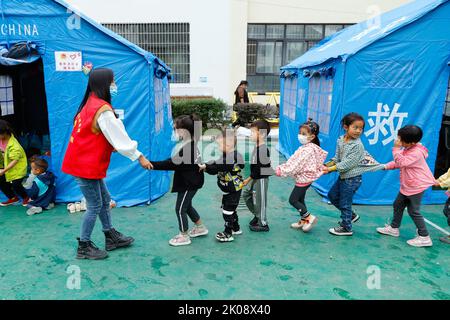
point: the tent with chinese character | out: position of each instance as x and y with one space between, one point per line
393 70
60 45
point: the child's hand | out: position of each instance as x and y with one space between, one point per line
201 167
325 170
397 143
2 172
246 181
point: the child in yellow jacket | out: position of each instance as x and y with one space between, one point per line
14 167
444 182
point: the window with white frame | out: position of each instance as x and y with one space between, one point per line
6 95
290 97
319 101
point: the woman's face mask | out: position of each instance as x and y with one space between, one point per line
113 90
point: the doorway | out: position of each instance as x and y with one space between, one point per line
443 153
23 104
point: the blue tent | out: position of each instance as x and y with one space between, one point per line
393 70
64 38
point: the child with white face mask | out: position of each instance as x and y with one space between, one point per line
305 166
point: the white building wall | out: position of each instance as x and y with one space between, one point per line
218 29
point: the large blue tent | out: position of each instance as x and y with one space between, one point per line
392 69
59 33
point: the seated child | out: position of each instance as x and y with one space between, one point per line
229 179
444 182
305 166
40 187
415 177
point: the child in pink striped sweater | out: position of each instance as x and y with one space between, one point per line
305 166
415 177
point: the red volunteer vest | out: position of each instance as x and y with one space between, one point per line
89 153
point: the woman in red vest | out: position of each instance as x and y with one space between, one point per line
97 132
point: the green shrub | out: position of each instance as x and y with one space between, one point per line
210 110
249 112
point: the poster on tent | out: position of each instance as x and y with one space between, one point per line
68 61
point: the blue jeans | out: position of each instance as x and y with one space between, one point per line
97 204
341 196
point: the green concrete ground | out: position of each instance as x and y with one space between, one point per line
281 264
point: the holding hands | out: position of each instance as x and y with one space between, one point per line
247 181
201 167
145 163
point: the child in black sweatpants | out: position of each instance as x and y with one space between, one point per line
187 179
229 179
260 170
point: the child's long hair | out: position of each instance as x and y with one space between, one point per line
191 123
351 117
99 82
5 128
313 128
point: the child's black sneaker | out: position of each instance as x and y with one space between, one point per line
259 228
88 250
340 231
224 237
253 222
355 217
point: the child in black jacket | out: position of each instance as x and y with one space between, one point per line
229 179
187 179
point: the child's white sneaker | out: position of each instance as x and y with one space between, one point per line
180 240
298 225
34 210
77 206
71 207
309 223
420 241
198 231
389 231
50 206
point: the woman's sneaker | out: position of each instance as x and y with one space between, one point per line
224 237
309 223
198 231
34 210
420 241
298 225
389 231
9 202
180 240
340 231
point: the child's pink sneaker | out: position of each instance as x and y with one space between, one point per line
420 241
180 240
389 231
198 231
